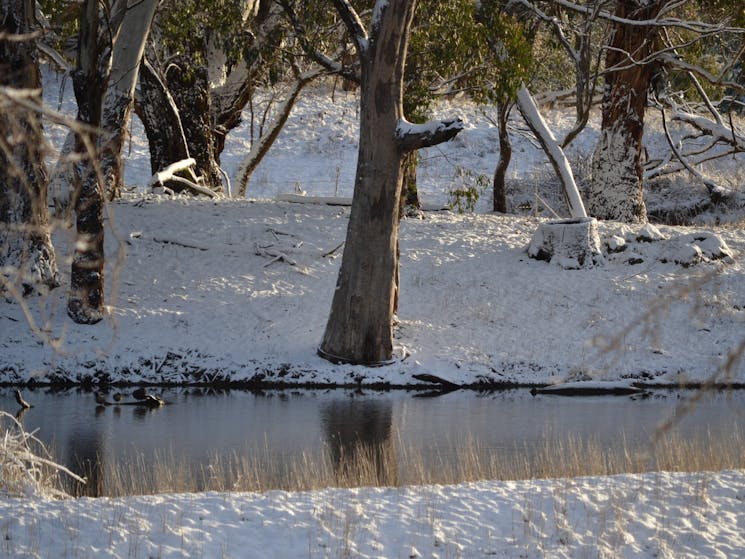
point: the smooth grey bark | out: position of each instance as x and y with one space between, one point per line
127 51
359 329
27 258
552 149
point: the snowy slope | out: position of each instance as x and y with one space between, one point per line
197 292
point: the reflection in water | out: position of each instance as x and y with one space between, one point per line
278 433
358 435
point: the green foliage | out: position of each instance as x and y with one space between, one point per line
64 19
469 188
185 24
481 51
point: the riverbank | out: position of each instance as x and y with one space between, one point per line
219 292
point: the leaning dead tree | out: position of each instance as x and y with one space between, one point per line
27 259
648 37
359 328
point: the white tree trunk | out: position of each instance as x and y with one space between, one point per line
551 147
129 46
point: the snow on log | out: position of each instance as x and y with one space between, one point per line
416 136
169 175
569 243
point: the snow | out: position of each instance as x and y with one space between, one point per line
195 293
649 515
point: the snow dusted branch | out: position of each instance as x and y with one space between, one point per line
719 132
169 175
353 22
551 147
659 21
716 192
416 136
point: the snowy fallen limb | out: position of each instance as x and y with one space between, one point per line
169 175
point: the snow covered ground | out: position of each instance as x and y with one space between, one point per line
196 294
652 515
197 291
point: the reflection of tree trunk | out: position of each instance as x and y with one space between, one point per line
25 243
358 434
616 191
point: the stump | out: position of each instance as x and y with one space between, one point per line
570 243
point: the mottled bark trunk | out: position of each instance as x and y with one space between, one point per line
499 203
359 329
27 259
85 303
188 83
616 191
160 117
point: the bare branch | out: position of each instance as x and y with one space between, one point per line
354 24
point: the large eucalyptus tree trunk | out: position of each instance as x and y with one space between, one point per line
160 117
359 328
110 48
202 101
27 259
616 191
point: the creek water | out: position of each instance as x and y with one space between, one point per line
199 424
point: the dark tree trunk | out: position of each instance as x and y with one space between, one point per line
616 191
410 192
85 304
188 83
499 203
359 329
160 117
25 243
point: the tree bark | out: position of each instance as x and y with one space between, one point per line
188 83
359 328
127 51
85 303
27 258
616 190
499 201
553 151
160 117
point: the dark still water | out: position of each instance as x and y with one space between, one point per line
279 430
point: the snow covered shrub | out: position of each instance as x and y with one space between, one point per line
25 466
